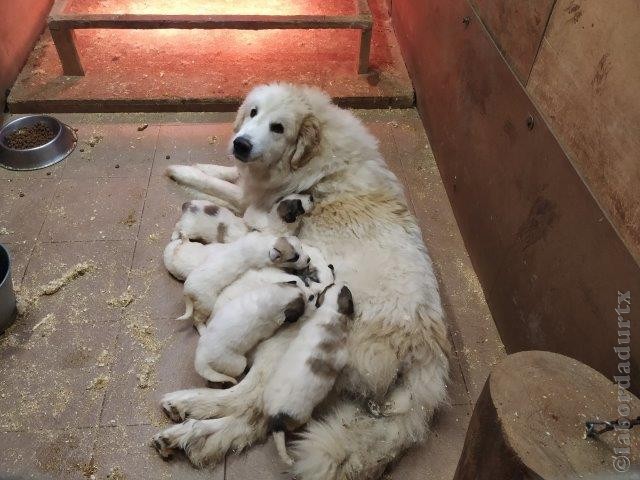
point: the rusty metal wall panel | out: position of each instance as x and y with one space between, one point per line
517 27
550 263
586 80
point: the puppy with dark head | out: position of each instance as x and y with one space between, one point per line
308 369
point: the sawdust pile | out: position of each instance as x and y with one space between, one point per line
116 474
26 298
122 301
98 383
55 285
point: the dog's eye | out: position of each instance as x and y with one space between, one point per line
253 112
276 128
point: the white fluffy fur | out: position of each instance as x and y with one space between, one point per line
182 256
199 225
241 324
308 369
204 221
398 341
226 262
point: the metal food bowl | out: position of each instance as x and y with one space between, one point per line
50 153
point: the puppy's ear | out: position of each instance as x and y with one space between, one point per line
345 302
240 116
275 254
308 141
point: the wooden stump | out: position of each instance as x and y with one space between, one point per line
529 422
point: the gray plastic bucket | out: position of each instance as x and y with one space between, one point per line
7 296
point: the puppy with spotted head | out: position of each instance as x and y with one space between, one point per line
203 221
308 369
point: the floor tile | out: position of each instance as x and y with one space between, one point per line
95 209
157 290
190 144
457 387
381 130
19 253
38 395
24 206
112 150
437 458
59 454
54 171
126 453
154 356
86 298
260 461
477 344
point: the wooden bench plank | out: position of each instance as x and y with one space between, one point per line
208 22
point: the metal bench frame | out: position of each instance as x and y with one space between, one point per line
63 25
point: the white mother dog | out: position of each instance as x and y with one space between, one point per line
292 139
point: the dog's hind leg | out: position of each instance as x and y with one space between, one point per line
240 407
229 174
205 403
195 178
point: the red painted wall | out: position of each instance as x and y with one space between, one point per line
21 22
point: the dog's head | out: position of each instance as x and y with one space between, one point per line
275 128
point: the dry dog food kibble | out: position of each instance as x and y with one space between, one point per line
29 137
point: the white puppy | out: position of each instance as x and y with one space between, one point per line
241 324
182 256
205 222
227 261
308 369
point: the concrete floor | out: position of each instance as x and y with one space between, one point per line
82 371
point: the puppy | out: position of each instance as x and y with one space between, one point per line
182 256
308 369
241 324
226 262
205 222
283 218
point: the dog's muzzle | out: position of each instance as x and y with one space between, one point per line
242 149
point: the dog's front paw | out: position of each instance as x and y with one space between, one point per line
175 406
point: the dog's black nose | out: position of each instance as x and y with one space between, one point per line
242 148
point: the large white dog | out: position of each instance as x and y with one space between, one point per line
291 139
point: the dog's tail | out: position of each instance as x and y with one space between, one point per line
204 370
188 312
278 438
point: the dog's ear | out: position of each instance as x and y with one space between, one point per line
240 116
308 141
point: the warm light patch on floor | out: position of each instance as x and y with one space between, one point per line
218 7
